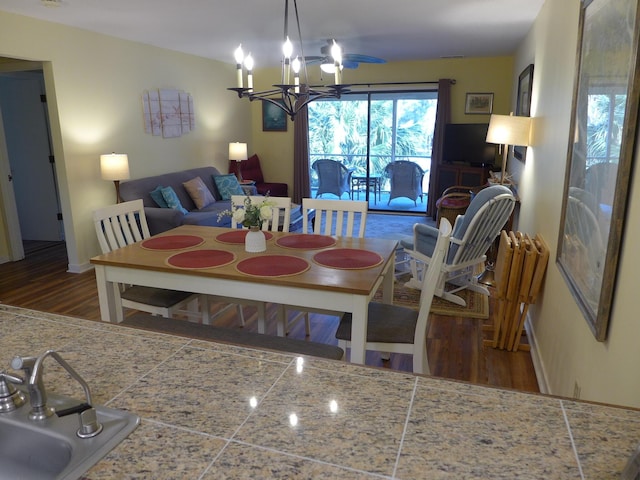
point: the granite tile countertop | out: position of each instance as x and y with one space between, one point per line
214 411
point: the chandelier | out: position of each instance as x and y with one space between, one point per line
290 97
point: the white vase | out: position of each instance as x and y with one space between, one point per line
255 240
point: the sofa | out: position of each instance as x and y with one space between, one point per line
161 219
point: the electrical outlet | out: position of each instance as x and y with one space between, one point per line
576 390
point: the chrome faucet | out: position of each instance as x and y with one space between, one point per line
33 368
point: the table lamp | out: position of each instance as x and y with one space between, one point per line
508 130
238 152
115 166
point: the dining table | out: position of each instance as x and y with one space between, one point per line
305 270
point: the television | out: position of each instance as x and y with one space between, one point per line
466 143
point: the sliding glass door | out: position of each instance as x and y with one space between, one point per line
367 131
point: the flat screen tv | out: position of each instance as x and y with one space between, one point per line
466 143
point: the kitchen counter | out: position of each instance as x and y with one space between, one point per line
215 411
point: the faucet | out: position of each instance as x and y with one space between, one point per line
33 369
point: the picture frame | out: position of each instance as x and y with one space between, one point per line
274 118
479 104
523 104
605 106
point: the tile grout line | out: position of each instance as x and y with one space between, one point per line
573 443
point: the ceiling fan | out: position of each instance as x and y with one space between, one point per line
349 60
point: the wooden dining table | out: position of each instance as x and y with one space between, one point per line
306 270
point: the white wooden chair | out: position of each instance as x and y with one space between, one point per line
340 218
396 329
280 220
123 224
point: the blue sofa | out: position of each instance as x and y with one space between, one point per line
163 219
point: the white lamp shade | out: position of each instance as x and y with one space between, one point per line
509 130
114 166
237 151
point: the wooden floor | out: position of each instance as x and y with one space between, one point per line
455 344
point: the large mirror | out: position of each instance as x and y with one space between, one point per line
600 154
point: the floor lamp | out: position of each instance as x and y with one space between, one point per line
238 152
505 130
115 166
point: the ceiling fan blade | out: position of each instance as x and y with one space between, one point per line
313 59
349 63
356 57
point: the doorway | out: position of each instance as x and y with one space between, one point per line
30 163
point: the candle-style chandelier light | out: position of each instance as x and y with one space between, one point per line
290 97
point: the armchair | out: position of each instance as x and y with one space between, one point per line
406 180
251 170
333 177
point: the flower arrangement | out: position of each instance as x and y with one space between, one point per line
251 214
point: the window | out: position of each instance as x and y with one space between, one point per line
366 131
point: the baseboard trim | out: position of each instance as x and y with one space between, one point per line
79 268
538 364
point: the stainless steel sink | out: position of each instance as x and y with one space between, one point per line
51 448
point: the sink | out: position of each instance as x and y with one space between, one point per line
50 449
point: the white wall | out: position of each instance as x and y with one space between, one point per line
96 83
568 351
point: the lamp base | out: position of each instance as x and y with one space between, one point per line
488 277
239 171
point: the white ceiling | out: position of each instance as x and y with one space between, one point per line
393 30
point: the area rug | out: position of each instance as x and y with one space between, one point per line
477 304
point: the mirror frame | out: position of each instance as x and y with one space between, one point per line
596 306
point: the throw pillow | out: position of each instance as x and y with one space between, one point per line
199 192
228 185
157 197
172 199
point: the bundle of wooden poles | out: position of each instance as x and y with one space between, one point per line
519 271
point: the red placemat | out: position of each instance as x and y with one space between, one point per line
306 241
198 259
172 242
237 236
347 258
272 266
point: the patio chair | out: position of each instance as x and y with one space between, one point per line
396 329
406 180
473 234
340 218
333 177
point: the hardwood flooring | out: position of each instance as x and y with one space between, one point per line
455 344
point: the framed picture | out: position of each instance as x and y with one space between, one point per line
600 156
274 119
523 106
479 104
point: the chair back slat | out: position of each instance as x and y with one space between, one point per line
281 211
429 285
482 229
340 218
120 225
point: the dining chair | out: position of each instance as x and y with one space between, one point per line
472 236
281 217
123 224
280 221
396 329
340 218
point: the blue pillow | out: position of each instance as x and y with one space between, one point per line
228 185
157 197
172 199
